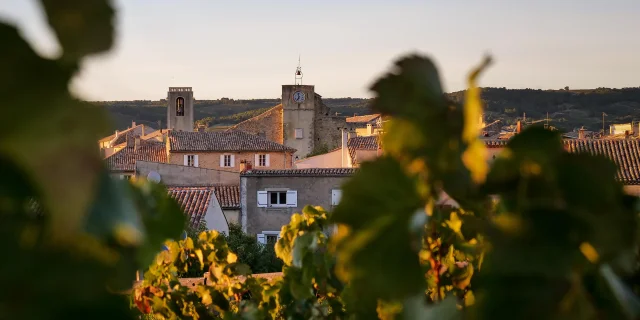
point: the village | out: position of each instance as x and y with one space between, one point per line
259 172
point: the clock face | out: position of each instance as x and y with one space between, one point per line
298 96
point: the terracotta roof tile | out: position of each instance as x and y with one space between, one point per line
193 201
125 158
624 153
182 141
354 144
228 196
310 172
363 119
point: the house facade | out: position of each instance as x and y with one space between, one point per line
122 163
200 204
268 198
226 150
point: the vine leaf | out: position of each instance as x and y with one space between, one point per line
475 154
48 133
83 27
378 204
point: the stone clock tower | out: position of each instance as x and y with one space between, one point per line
180 109
298 116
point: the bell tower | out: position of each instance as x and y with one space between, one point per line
180 109
298 115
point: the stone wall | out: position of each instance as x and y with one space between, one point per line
312 190
328 127
179 175
267 124
211 160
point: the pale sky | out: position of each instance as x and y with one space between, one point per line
248 49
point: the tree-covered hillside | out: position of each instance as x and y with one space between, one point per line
567 109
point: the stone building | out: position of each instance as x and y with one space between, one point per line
268 198
122 163
302 122
180 109
226 150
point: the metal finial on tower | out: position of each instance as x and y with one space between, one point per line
298 77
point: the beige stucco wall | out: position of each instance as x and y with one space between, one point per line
179 175
211 160
331 159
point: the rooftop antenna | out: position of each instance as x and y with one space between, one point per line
298 77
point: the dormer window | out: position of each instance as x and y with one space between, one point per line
180 107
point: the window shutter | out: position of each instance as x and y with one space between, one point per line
262 239
336 194
292 198
262 199
186 159
195 161
256 160
221 160
266 161
233 160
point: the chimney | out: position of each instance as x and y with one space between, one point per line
130 140
117 133
581 133
245 166
626 134
133 124
518 127
369 129
136 143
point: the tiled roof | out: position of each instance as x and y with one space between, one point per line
182 141
362 143
228 196
624 153
125 158
193 201
363 119
310 172
121 136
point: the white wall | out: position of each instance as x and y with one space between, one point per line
215 218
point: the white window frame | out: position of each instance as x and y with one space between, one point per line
191 160
274 205
263 198
227 164
262 160
336 196
262 237
298 133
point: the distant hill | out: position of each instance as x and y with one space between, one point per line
214 113
568 109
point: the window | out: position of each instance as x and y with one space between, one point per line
271 238
191 160
277 199
268 237
180 106
336 194
227 160
298 134
262 160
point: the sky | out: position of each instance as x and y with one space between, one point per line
247 49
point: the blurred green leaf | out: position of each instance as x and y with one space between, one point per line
83 27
